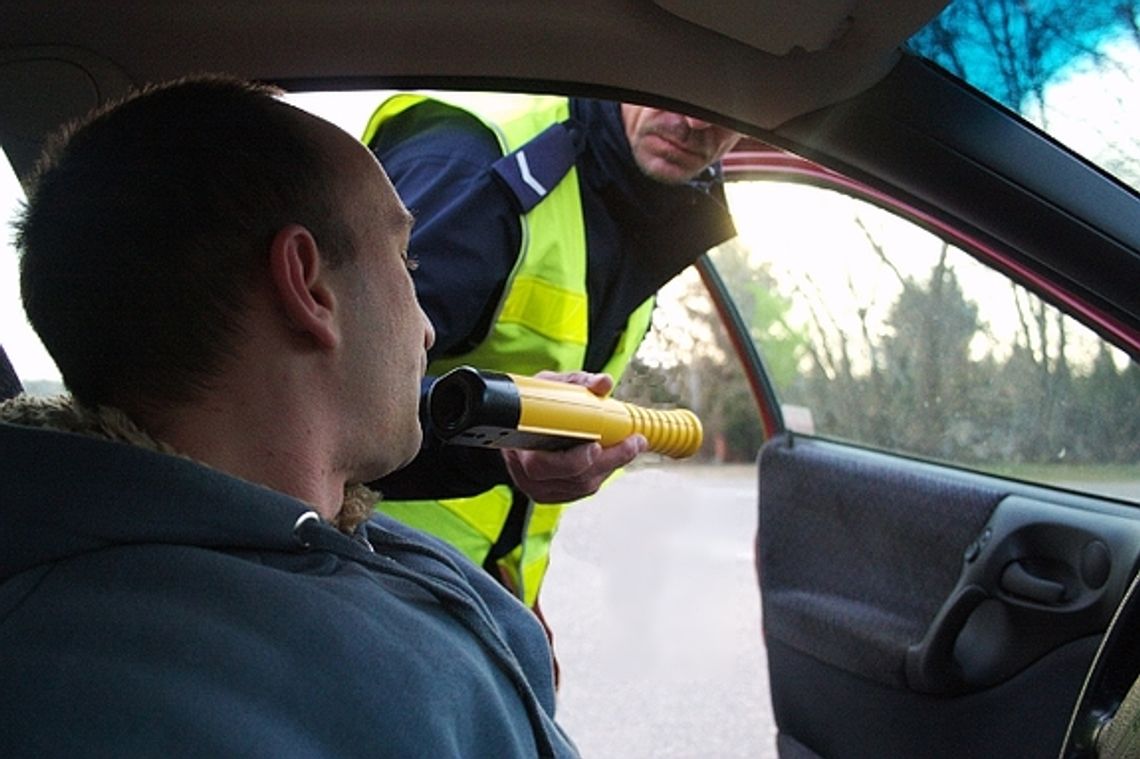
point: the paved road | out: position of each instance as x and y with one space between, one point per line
659 636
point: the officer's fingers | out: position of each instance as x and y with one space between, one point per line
558 465
574 378
553 476
618 455
598 384
604 462
543 475
580 462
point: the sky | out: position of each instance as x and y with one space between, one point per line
24 349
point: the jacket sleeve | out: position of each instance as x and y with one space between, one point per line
467 236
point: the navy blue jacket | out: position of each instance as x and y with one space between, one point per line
640 233
150 606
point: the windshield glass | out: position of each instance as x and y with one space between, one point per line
1070 68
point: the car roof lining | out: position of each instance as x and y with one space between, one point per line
79 53
835 105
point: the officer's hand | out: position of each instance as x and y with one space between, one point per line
561 476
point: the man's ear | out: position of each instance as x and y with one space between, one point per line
300 282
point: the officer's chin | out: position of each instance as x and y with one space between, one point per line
670 172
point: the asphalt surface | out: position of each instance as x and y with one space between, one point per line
653 600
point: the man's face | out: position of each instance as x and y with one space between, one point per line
387 334
670 147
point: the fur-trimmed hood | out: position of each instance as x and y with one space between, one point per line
62 413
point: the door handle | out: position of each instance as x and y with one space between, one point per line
1037 576
930 665
1017 580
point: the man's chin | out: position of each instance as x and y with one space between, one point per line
392 460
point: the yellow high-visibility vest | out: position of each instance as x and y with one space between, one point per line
542 322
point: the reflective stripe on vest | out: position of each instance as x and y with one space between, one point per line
542 322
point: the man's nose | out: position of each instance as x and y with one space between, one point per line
429 331
695 123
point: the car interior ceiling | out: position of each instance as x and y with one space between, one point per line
836 89
54 66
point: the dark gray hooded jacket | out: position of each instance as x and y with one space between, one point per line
151 606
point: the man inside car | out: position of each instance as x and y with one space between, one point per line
185 565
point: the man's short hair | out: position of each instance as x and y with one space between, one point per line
147 222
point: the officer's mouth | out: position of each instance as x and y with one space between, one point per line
680 146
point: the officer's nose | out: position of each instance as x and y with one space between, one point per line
695 123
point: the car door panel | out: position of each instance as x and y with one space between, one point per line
823 711
908 608
1039 574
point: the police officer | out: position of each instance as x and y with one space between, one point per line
544 228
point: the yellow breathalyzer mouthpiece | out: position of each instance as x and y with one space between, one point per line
489 409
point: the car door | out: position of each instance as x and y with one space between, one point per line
948 486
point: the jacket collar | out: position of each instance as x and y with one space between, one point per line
112 484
